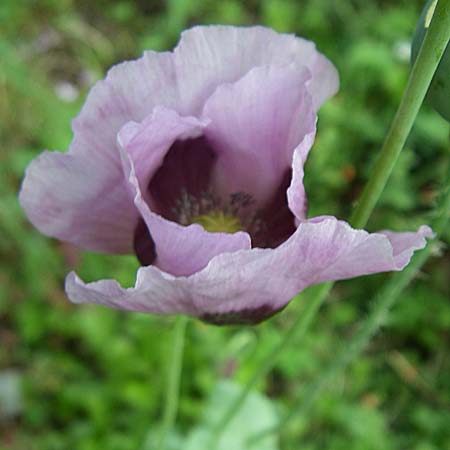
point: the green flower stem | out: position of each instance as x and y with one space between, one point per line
430 54
426 63
173 384
382 304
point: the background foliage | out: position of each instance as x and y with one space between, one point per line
90 378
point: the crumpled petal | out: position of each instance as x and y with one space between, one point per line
403 242
180 250
256 123
212 55
155 291
241 286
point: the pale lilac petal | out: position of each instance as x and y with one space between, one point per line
180 250
323 250
66 197
361 253
208 56
155 292
256 123
82 196
324 82
296 194
130 92
237 285
403 242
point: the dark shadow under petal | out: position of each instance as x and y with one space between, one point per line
276 223
249 316
143 244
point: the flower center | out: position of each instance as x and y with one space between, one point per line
214 213
218 221
182 191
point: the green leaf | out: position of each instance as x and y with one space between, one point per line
257 414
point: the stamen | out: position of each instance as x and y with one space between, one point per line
216 214
267 228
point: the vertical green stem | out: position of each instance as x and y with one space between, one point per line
174 376
433 47
426 64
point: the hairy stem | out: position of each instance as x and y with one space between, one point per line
430 54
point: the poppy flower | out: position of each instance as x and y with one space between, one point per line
193 160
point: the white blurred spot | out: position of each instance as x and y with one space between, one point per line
402 50
11 402
66 91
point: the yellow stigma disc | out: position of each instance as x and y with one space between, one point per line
218 222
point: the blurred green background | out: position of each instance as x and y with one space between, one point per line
89 378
